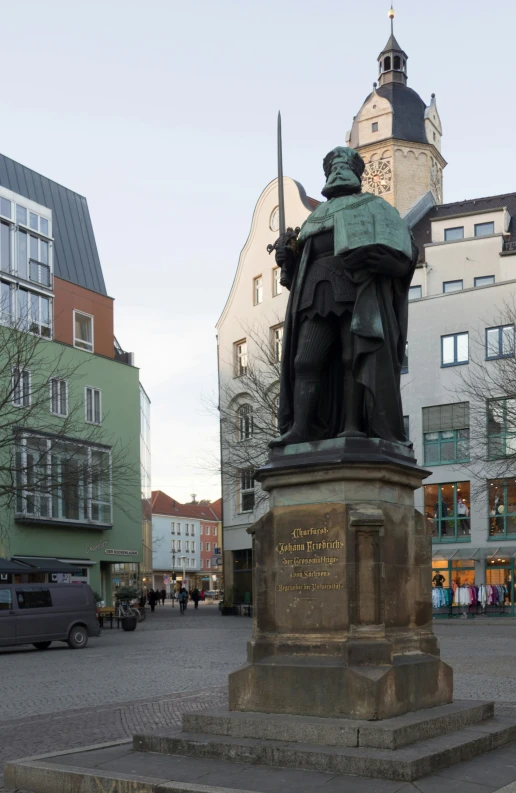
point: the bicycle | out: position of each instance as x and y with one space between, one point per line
126 610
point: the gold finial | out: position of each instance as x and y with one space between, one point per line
391 16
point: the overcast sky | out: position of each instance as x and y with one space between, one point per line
163 115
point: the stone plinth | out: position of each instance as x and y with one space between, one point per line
342 588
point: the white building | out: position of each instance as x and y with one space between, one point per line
466 272
175 543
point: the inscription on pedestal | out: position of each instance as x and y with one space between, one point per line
309 559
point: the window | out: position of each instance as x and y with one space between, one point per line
241 358
173 546
406 427
258 290
83 331
5 208
244 422
93 403
6 602
277 343
415 292
58 397
214 531
452 234
200 529
179 528
452 286
448 506
5 302
404 366
275 412
172 527
455 349
5 247
397 62
387 63
208 562
501 427
374 126
20 386
446 433
33 598
187 529
485 280
246 490
502 508
192 530
33 312
277 288
500 342
192 544
187 545
178 545
62 480
483 229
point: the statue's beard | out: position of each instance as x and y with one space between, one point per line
341 185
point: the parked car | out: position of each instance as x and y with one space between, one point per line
40 614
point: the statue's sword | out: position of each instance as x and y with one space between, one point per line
287 236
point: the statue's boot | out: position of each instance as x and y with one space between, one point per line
306 394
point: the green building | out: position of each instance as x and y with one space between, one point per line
72 489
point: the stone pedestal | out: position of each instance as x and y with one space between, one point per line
342 588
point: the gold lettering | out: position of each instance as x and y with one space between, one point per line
297 533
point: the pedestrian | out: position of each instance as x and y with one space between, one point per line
203 595
163 596
183 599
196 597
152 599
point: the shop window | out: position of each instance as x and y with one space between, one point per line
446 433
484 229
502 508
501 427
415 292
499 342
448 506
455 349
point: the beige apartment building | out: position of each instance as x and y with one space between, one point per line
465 276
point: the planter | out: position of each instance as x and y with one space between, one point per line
129 623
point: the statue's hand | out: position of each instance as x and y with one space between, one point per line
284 256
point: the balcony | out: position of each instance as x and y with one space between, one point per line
122 356
509 247
39 273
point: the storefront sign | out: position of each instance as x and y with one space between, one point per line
99 547
118 552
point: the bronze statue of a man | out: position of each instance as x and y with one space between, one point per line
346 324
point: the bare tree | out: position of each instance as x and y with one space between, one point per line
248 406
51 460
488 383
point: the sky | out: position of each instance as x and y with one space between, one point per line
163 114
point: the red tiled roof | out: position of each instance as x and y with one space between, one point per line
162 504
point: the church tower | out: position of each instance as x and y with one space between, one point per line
398 135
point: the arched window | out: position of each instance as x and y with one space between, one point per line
387 63
397 62
244 422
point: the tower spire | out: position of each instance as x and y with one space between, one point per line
392 14
392 60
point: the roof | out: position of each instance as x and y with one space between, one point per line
76 258
392 44
422 230
163 504
408 121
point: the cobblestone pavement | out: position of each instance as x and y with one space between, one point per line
125 682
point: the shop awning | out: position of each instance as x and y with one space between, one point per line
45 564
8 566
476 554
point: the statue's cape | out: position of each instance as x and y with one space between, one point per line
358 220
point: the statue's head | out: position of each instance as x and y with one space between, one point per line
343 168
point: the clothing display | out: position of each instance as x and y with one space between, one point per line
467 595
492 594
441 597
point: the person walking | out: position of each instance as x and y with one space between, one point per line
152 599
183 598
163 596
196 596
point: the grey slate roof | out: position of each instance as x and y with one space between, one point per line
392 44
422 230
76 258
408 122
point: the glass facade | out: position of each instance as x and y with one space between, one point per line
502 508
448 506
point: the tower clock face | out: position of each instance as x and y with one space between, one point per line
435 182
377 177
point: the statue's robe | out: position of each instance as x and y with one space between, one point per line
379 320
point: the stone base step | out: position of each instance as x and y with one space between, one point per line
387 734
405 764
